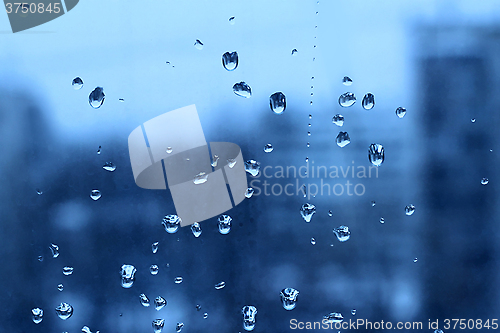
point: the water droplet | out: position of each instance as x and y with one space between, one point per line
99 151
373 203
308 133
40 258
77 83
60 287
68 270
200 178
215 159
400 112
330 213
268 148
178 279
484 181
121 100
220 285
410 209
128 275
346 81
198 44
473 120
95 194
64 311
334 317
368 101
224 224
294 51
353 312
242 89
249 313
160 303
153 269
313 241
96 98
231 162
196 229
382 220
230 60
169 150
347 99
154 247
277 102
376 154
158 325
342 233
304 189
338 120
55 250
343 139
108 166
415 260
252 167
249 192
205 315
308 145
38 191
144 300
307 211
307 159
179 327
438 331
37 315
231 20
86 329
171 223
289 298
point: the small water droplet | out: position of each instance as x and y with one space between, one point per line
144 300
77 83
330 213
158 325
289 298
60 287
196 229
55 250
252 167
382 220
438 331
198 44
249 192
294 51
121 100
86 329
224 224
169 150
205 315
40 258
313 241
230 60
38 191
99 151
108 166
415 260
64 311
410 209
308 145
307 159
368 101
153 269
178 280
37 315
400 112
308 133
304 189
268 148
249 313
376 154
154 247
160 303
373 203
338 120
67 270
334 317
242 89
231 162
346 81
127 275
220 285
95 194
343 139
473 120
198 307
307 211
179 327
484 181
347 99
343 234
353 312
277 102
200 178
96 97
231 20
171 223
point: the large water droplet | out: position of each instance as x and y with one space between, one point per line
127 275
144 300
67 270
160 303
249 313
224 224
252 167
376 154
338 120
347 81
198 44
154 247
179 327
196 229
171 223
37 315
60 287
96 98
64 311
95 194
342 233
230 60
410 209
178 280
55 250
108 166
289 298
277 102
77 83
334 317
268 148
242 89
153 269
343 139
485 181
249 192
200 178
368 101
347 99
220 285
307 211
158 325
400 112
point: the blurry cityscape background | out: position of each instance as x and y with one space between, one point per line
438 59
